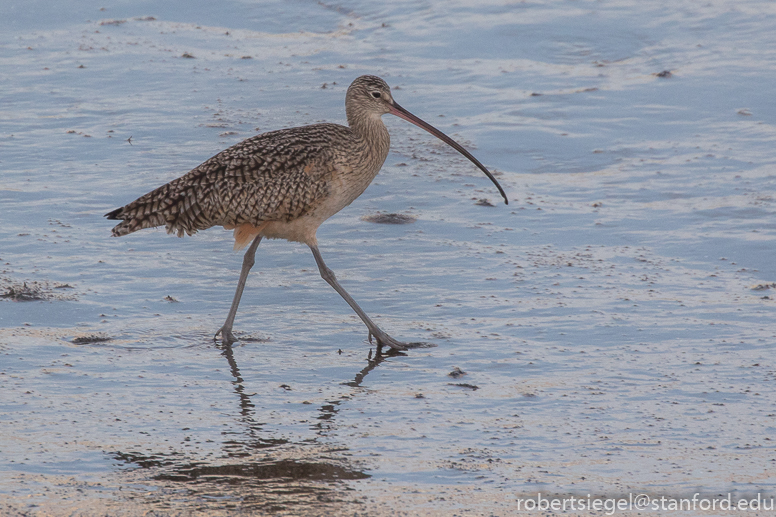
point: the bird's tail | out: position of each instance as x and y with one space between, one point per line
123 228
165 206
132 221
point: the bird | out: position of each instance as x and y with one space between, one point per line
283 185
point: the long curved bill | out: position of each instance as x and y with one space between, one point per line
409 117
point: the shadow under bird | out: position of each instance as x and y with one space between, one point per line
283 185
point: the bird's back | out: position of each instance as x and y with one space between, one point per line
275 176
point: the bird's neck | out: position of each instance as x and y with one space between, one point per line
372 132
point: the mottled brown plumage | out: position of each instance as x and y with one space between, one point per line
282 184
267 177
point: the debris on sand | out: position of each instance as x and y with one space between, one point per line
91 338
457 372
464 385
381 218
24 293
33 291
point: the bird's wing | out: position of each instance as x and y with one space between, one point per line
275 176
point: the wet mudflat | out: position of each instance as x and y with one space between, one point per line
610 331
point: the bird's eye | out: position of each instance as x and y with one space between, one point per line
376 95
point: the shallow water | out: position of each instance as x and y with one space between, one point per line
614 321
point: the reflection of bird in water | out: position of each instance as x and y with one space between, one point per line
237 447
260 470
372 363
283 185
242 447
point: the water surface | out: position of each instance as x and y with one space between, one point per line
614 321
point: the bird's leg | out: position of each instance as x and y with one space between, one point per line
248 260
328 275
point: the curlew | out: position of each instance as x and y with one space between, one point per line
283 185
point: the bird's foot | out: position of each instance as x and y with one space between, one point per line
226 336
384 339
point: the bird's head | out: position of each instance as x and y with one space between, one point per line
370 97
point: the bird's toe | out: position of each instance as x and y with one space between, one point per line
226 336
